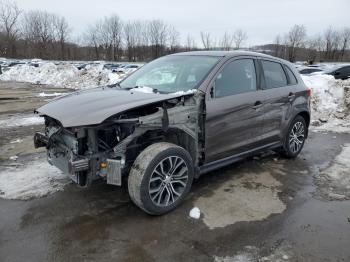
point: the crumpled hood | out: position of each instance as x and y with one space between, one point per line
93 106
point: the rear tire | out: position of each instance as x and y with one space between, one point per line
160 178
295 138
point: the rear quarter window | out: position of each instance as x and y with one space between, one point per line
274 74
291 76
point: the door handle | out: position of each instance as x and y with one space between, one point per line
291 96
257 105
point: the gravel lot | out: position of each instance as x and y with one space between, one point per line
265 208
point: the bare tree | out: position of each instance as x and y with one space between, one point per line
62 31
336 47
158 36
239 37
9 17
130 38
277 46
92 38
174 39
207 41
113 25
106 37
314 46
330 38
39 31
226 41
295 39
190 43
345 39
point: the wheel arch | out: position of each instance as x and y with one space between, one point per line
172 135
307 118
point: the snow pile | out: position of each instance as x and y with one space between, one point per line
195 213
330 103
21 120
43 94
35 179
62 75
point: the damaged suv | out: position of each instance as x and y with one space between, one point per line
174 119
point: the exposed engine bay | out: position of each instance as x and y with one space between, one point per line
108 150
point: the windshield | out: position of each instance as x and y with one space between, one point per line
172 73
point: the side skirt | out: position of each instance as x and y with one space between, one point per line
234 158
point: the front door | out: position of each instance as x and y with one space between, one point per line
234 116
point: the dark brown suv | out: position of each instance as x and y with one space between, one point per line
175 118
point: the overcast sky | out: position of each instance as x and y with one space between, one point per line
261 19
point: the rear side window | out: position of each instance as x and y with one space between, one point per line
291 76
345 71
237 77
274 74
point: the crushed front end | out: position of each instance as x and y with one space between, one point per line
108 150
85 153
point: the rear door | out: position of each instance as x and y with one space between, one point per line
234 117
279 93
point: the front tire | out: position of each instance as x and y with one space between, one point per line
295 137
160 178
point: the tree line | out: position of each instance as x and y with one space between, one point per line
40 34
331 45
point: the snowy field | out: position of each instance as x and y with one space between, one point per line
64 75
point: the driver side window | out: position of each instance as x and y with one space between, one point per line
237 77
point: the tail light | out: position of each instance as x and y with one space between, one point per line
308 92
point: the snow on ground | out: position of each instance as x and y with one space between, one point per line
334 182
21 120
330 103
35 179
62 75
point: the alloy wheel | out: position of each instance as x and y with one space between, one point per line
296 137
168 181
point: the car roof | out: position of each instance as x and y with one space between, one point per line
340 66
224 54
310 68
